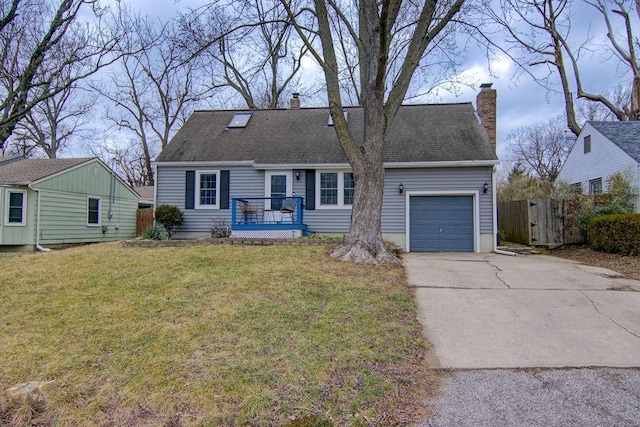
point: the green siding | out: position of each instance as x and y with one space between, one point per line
63 218
17 234
63 209
82 180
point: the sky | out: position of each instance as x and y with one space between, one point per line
521 100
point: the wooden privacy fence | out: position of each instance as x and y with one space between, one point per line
539 222
144 220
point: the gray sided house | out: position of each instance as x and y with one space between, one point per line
62 201
282 173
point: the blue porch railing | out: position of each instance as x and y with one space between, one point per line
267 213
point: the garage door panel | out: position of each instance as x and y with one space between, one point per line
441 223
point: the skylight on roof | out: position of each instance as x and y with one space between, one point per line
240 120
346 117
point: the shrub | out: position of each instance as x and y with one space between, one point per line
618 200
169 217
220 228
502 236
616 234
154 233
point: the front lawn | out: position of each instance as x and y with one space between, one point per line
209 335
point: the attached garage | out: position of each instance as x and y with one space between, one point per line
441 223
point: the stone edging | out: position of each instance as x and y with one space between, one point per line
139 243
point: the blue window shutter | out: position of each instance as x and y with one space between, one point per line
224 189
310 190
190 190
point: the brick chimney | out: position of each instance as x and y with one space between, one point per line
294 102
486 106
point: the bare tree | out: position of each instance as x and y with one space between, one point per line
152 91
249 48
541 29
127 160
390 39
51 124
41 41
541 148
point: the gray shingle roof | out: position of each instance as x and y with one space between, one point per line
27 171
145 192
420 133
625 135
7 159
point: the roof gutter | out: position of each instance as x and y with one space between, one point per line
210 163
387 165
38 247
280 166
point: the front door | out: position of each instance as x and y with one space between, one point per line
277 184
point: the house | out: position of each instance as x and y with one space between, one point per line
282 173
601 150
47 202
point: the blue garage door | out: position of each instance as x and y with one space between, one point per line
441 224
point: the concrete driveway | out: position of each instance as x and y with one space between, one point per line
496 311
528 340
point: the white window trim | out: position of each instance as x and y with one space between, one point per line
340 204
99 211
267 185
24 209
197 195
593 181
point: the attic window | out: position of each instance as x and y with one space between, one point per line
346 117
239 120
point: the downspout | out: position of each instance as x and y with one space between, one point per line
494 197
112 188
38 247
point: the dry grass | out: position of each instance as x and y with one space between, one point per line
209 335
627 265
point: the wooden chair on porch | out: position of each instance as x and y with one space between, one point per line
287 209
249 212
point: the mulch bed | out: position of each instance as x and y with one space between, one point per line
629 266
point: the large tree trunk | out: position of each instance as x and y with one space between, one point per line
365 243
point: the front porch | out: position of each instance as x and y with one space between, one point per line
267 217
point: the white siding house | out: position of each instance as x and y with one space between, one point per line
601 150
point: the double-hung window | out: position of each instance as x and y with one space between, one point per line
207 189
16 207
335 189
93 211
595 186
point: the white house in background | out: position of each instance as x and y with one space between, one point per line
601 150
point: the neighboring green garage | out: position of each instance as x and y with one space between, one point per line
441 224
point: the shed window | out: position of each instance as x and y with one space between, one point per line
587 144
16 208
93 211
595 186
207 189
